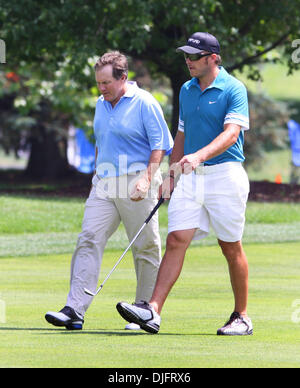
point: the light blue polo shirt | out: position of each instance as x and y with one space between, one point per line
128 133
202 114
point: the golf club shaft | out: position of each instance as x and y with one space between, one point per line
161 200
120 259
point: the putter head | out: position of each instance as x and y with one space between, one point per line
88 292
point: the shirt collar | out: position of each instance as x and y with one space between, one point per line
220 80
132 88
131 91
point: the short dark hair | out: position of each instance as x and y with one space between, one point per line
117 60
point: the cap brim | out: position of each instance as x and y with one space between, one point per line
189 50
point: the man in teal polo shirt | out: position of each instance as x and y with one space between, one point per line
213 187
132 138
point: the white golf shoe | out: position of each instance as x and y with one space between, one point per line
237 325
141 314
132 326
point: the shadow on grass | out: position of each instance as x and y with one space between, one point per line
45 331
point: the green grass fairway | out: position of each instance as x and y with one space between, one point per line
37 238
36 225
274 163
199 303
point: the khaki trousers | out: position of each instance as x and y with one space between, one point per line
102 216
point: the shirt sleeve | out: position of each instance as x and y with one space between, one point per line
238 111
156 127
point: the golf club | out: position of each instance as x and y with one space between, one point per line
161 201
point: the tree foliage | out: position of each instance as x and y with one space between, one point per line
43 38
268 130
36 112
45 32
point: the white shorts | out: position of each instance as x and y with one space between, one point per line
212 195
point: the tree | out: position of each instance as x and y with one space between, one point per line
36 112
150 30
268 120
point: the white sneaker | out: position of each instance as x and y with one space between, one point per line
142 314
132 326
237 325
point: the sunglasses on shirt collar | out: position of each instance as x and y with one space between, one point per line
195 57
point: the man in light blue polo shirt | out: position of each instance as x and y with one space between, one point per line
213 187
133 130
132 138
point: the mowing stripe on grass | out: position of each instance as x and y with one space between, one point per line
58 243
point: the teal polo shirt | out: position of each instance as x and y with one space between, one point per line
203 114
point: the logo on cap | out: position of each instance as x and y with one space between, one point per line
194 41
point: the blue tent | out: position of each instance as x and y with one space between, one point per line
86 152
294 134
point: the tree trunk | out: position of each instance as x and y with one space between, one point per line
48 155
177 80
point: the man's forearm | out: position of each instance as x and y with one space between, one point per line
155 160
177 153
221 143
169 182
143 184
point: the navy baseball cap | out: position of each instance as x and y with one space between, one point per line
199 42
